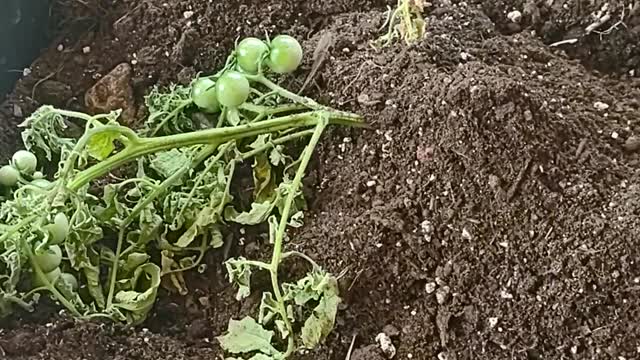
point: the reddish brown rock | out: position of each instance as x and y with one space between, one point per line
114 91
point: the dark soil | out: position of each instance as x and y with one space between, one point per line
490 213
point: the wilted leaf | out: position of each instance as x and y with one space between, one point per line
268 308
258 214
276 156
263 180
321 322
246 336
240 275
137 303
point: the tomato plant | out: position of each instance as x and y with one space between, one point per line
89 246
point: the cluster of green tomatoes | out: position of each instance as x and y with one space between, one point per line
23 166
283 55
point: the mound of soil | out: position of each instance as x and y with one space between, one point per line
490 212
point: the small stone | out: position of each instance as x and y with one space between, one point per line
387 347
427 230
632 144
600 106
86 49
443 356
365 100
371 183
442 294
515 16
17 111
26 71
424 154
466 234
506 295
615 135
430 287
60 47
114 91
187 14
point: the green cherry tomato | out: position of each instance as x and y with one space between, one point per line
203 94
59 229
68 280
9 176
49 259
25 161
232 89
52 276
285 55
249 53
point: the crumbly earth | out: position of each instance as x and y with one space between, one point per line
490 212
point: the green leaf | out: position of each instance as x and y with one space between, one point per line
277 157
134 260
162 103
240 275
167 163
246 336
258 214
260 141
137 303
101 145
321 322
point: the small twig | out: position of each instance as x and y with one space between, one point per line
33 90
596 24
319 57
614 26
516 184
564 42
355 78
353 341
353 282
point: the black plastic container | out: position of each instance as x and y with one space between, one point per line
23 33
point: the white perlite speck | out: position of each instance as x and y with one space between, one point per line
515 16
493 321
599 105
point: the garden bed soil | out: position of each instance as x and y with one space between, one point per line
491 211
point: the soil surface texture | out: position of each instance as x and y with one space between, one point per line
490 212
